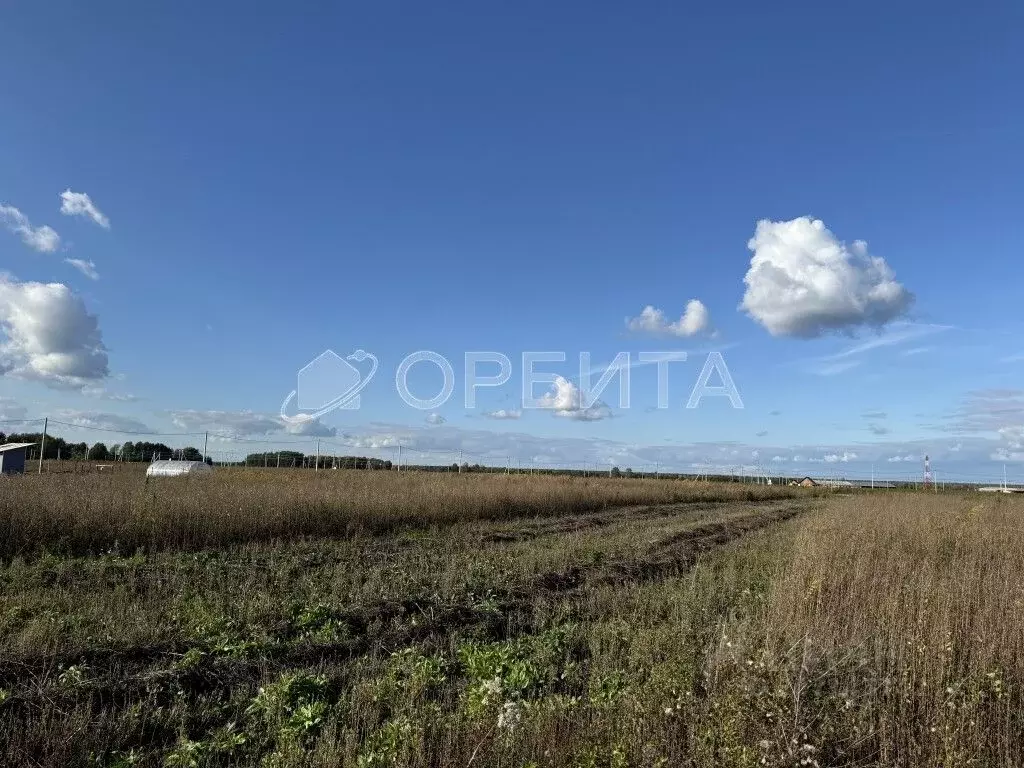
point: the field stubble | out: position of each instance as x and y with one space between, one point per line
707 630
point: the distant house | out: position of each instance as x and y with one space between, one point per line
875 484
12 458
807 482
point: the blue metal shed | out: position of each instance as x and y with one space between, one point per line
12 458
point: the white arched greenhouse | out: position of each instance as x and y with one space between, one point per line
173 468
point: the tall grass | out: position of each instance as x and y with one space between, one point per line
901 618
89 513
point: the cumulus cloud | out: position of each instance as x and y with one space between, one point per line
80 204
87 268
49 335
898 458
804 282
503 414
565 400
694 320
43 239
242 424
435 419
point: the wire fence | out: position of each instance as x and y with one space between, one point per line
56 447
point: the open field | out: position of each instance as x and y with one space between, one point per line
92 513
444 620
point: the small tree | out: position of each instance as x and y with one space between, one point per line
98 452
616 472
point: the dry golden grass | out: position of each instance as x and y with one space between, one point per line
907 610
92 513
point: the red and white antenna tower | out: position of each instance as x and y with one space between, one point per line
927 472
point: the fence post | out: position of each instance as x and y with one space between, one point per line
42 447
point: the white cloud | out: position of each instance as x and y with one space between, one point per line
804 282
845 456
1004 455
897 333
565 400
908 457
49 335
43 239
503 414
102 393
98 420
80 204
778 459
309 428
87 268
596 412
242 424
694 320
435 419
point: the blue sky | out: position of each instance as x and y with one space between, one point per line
397 177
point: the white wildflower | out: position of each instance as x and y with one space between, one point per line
509 716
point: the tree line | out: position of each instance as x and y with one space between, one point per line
59 448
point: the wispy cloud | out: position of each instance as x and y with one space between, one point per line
98 420
80 204
87 268
897 333
834 368
243 424
102 393
43 239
